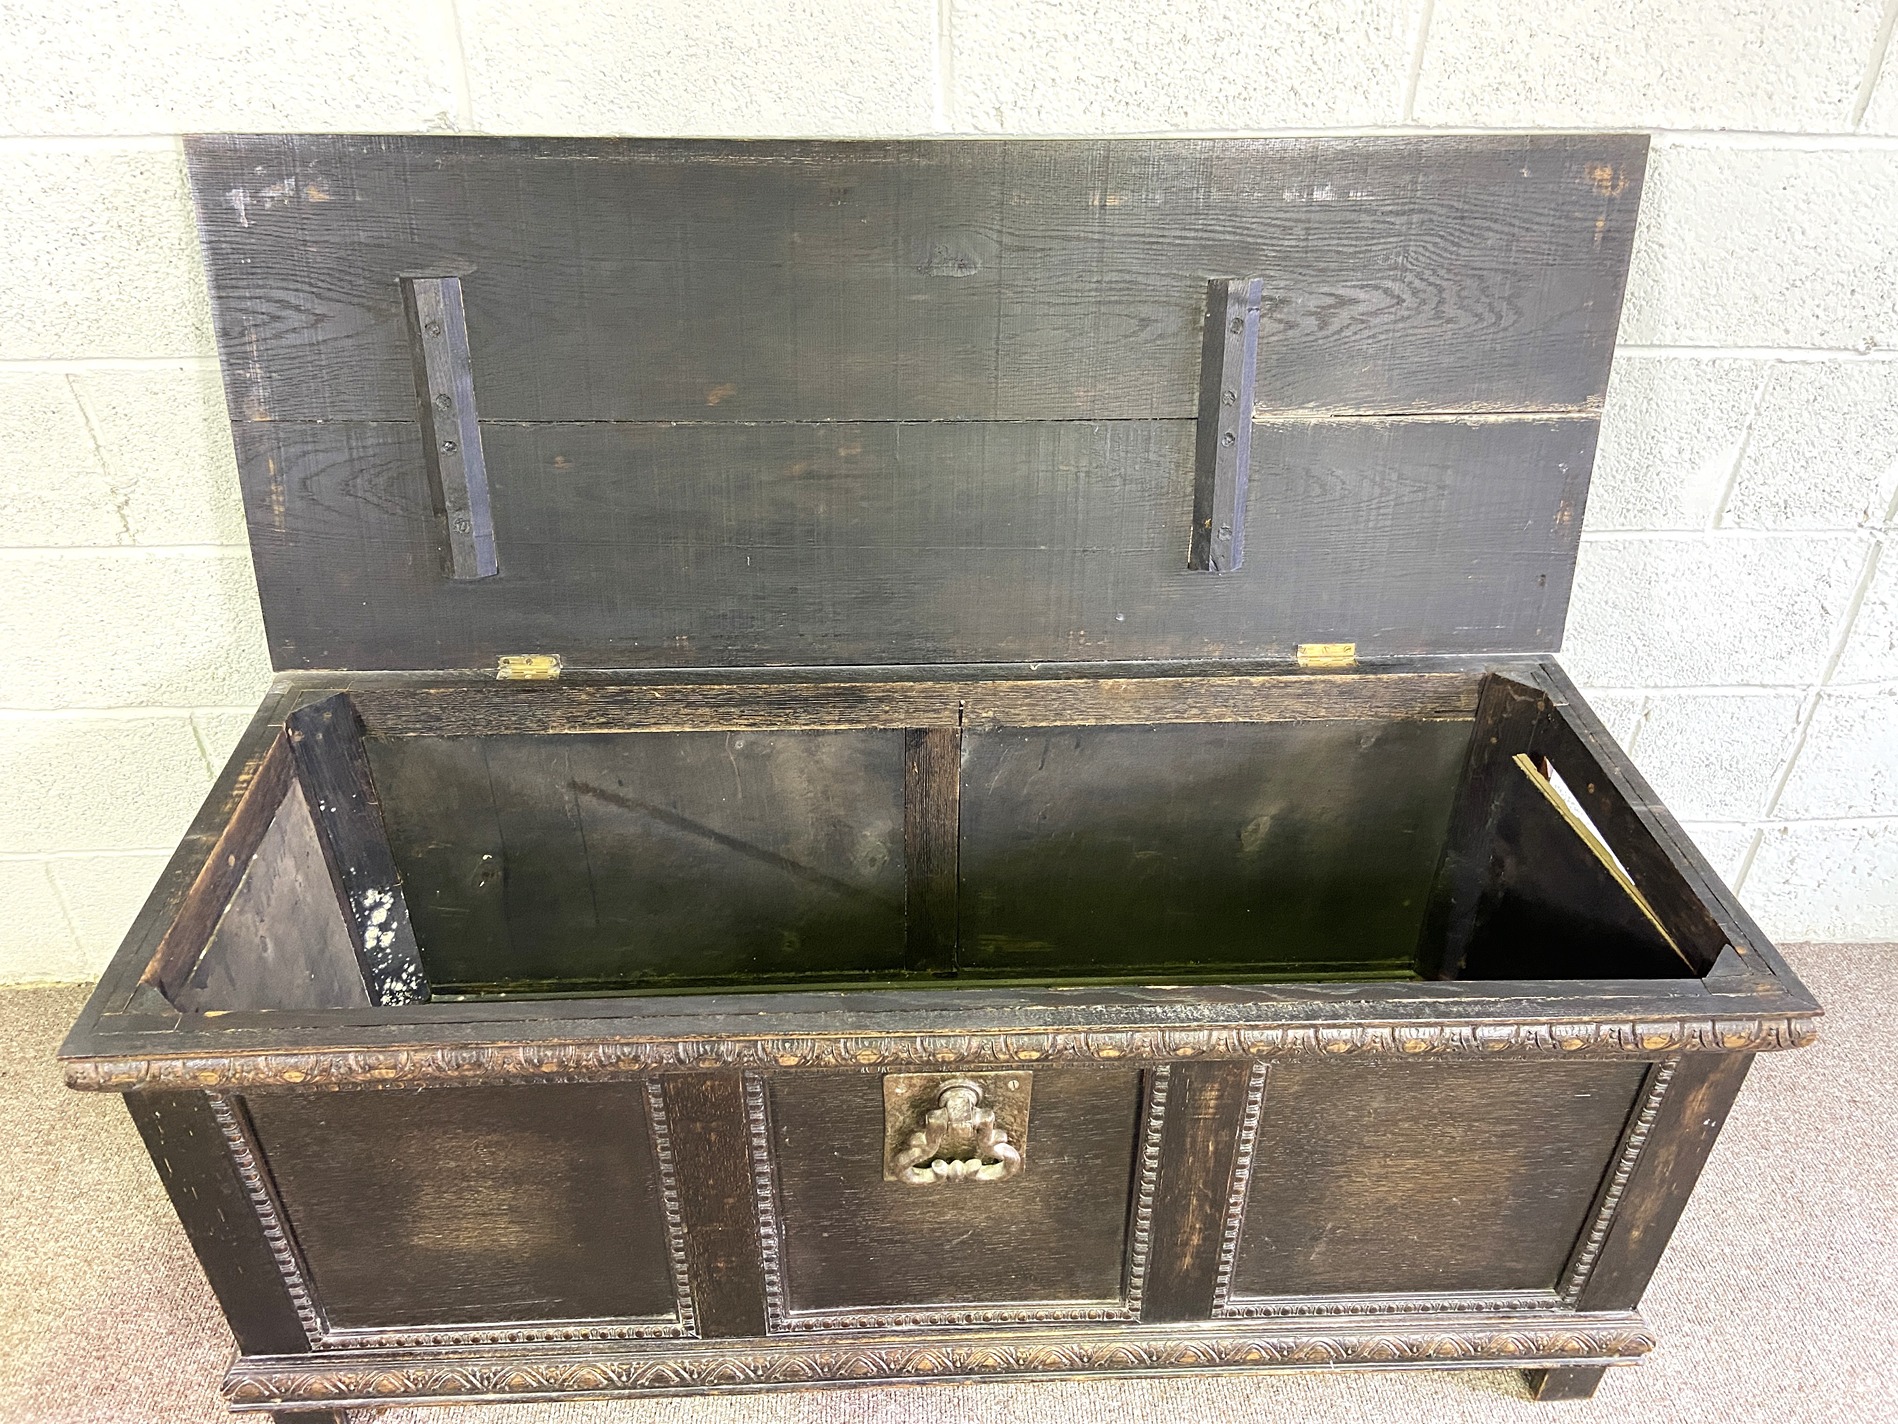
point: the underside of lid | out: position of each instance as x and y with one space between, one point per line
701 403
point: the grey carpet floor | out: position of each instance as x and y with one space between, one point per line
1777 1302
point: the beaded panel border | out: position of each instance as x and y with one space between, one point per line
1575 1276
781 1319
248 1159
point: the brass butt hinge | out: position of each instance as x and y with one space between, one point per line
527 667
1327 655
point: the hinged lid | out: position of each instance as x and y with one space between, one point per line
697 403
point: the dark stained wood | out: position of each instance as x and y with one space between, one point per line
711 1146
224 868
1507 713
932 781
1057 1232
281 942
1566 1382
326 744
499 1203
485 709
946 541
1205 1106
965 418
634 860
916 280
1427 1177
1222 459
1552 909
451 429
189 1151
1631 819
1297 848
1687 1124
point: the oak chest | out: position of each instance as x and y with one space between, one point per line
924 759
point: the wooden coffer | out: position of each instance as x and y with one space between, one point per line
922 760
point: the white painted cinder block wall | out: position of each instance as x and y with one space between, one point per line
1736 610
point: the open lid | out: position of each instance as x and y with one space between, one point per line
704 403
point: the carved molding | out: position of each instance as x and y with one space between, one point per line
1294 1307
1588 1252
247 1158
1140 1244
764 1187
550 1372
629 1058
1239 1186
669 1204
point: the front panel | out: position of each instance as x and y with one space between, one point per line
1433 1180
534 1208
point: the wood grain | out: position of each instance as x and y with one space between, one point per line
710 1144
477 1206
1427 1177
326 745
932 833
916 280
281 942
1055 1233
1205 1102
763 703
189 1152
930 542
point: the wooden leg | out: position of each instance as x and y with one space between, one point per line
319 1416
1566 1382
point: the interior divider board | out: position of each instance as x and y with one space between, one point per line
916 279
332 765
223 871
1639 829
1507 714
932 789
477 709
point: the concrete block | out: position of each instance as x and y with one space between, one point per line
36 942
186 66
1712 610
1881 114
1716 756
1823 453
131 628
1826 880
1628 64
102 255
166 439
1671 434
1725 845
1620 712
1871 648
1068 66
1848 764
102 894
98 783
1750 246
53 486
218 732
669 67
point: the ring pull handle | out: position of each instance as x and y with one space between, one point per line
960 1141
